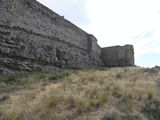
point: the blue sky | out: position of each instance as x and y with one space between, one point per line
117 22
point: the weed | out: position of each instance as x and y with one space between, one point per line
107 88
139 97
56 76
101 82
119 75
126 100
152 109
158 82
71 102
80 107
116 91
42 76
103 98
4 98
112 116
93 93
150 94
52 102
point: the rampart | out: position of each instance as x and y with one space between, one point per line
34 38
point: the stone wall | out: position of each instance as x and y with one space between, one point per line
34 38
118 56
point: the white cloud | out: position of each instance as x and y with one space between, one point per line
148 44
118 21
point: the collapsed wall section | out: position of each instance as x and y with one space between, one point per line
32 37
118 56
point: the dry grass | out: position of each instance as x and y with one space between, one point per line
82 94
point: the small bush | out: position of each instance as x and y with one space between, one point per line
119 75
80 107
71 102
126 100
14 78
4 88
56 76
4 98
42 76
116 91
150 94
52 102
158 82
101 82
139 97
110 116
93 93
103 98
152 109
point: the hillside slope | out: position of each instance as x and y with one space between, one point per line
93 94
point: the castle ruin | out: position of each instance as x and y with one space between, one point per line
34 38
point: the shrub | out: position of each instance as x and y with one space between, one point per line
116 91
150 94
52 102
126 100
4 98
93 93
103 98
119 75
56 76
158 82
80 107
152 109
110 116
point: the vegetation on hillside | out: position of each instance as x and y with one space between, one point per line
91 94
